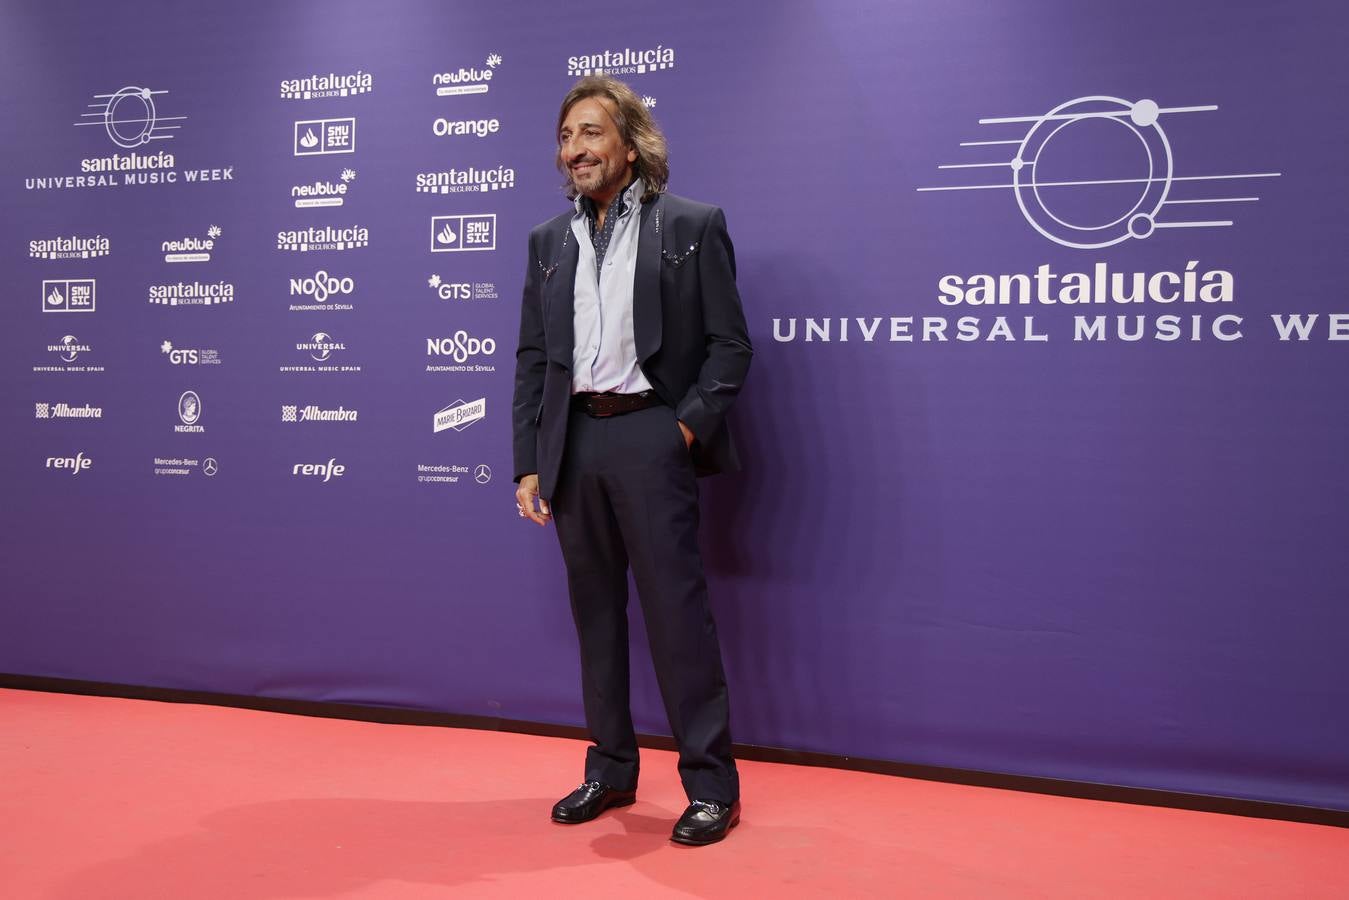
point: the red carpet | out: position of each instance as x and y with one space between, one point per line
106 799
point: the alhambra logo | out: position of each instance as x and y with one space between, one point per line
1096 171
317 87
467 80
466 180
323 193
625 61
191 249
72 247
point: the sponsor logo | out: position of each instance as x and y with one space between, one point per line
626 61
319 288
460 348
459 415
323 471
462 290
192 293
1132 193
189 356
190 250
317 87
451 234
73 464
305 240
323 193
66 411
68 295
466 81
464 181
320 137
296 413
482 473
73 247
68 351
132 119
324 349
648 101
185 465
189 414
463 127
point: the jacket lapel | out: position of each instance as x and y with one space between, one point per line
558 294
646 305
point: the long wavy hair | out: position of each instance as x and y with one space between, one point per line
636 128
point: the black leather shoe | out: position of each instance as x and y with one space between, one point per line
588 801
705 822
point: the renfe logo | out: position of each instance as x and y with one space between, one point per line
76 464
328 471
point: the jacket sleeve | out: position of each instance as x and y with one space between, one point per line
704 407
530 364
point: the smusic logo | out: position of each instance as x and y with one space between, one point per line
452 234
320 137
68 295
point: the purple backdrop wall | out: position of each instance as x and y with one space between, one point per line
1036 547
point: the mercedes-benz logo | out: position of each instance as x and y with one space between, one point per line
483 473
210 466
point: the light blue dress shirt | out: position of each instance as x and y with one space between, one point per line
604 357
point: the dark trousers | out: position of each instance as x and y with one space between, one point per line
627 496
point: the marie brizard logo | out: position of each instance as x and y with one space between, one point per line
131 117
1096 171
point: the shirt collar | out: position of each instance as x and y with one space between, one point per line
625 202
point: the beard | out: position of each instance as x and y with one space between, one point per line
601 178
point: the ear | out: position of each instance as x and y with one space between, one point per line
632 154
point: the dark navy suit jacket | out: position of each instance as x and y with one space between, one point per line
692 343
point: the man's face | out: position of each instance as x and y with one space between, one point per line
595 157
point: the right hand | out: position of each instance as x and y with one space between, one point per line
526 493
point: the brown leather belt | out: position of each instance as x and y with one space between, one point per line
601 406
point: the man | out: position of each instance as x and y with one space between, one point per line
632 348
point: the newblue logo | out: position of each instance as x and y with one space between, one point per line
466 81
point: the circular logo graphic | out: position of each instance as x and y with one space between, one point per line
130 117
71 343
189 407
482 474
1093 172
210 466
323 350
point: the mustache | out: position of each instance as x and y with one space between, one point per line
582 160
